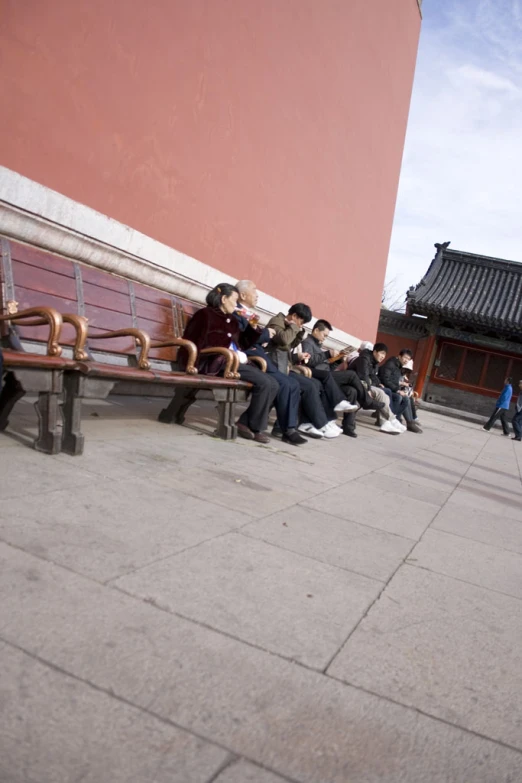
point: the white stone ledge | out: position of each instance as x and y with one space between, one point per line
34 214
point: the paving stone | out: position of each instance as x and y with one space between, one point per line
448 648
231 488
406 489
23 462
376 508
56 729
335 541
107 528
480 525
241 586
296 722
472 561
474 494
243 772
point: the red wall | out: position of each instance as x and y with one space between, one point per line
263 137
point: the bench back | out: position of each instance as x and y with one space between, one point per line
35 277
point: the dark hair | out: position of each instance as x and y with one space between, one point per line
215 297
380 347
406 352
302 311
509 379
322 324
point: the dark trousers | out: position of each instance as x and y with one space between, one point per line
331 391
401 406
348 379
498 413
262 396
516 421
287 400
312 408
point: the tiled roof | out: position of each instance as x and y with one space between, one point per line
470 289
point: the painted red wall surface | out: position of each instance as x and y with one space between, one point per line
263 137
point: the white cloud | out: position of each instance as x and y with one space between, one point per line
462 170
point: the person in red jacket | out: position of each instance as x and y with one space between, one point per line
215 326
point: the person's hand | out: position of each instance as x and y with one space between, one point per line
303 357
271 332
333 352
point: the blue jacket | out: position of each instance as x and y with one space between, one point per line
505 398
257 349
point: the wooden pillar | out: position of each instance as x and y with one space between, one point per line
426 364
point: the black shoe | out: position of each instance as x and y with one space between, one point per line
11 393
276 432
293 437
411 426
486 428
519 439
350 433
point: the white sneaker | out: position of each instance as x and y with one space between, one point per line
387 426
334 424
309 429
345 407
330 432
398 426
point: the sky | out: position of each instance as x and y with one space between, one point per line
461 177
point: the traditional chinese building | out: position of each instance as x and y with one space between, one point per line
464 324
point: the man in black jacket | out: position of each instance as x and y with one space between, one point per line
366 365
390 375
339 385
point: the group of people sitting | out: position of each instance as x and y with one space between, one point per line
306 407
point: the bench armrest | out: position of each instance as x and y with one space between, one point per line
190 347
139 335
80 324
232 360
38 316
302 370
261 363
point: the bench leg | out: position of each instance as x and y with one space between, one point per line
226 428
49 435
72 437
181 402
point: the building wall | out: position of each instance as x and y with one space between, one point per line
460 399
262 138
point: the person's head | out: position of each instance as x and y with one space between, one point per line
321 330
223 297
520 384
405 356
247 293
508 381
379 351
300 314
366 346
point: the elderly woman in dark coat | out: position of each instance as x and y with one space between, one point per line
216 327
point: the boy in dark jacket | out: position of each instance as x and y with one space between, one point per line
390 375
501 408
366 365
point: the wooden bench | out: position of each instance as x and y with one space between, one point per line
113 330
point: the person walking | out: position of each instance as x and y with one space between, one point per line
501 408
516 421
